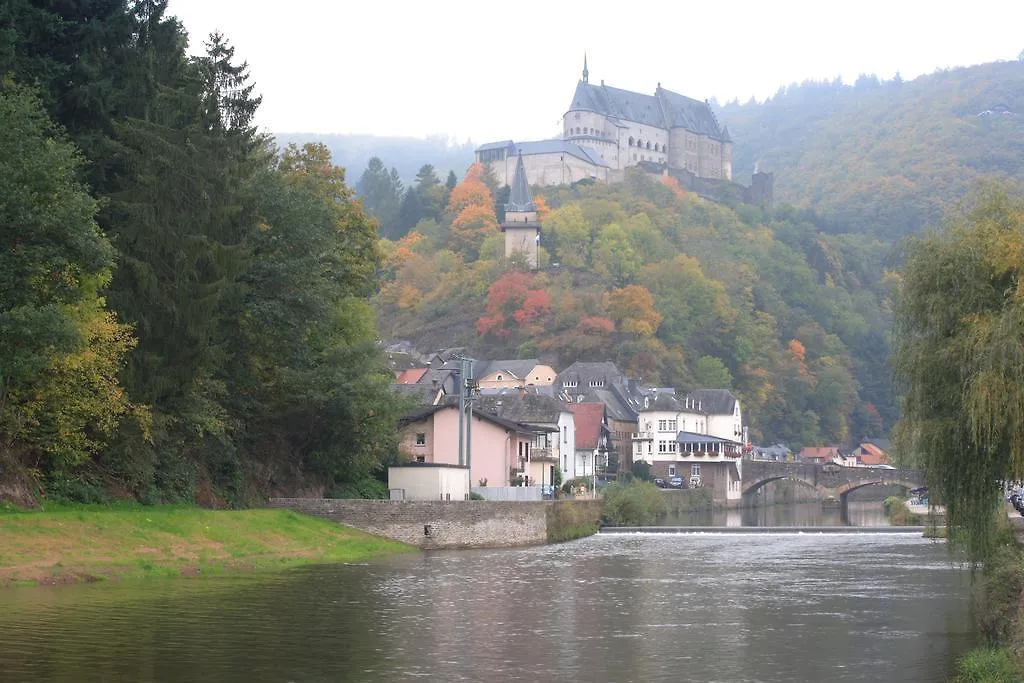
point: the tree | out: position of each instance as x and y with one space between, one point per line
614 256
60 349
382 196
568 236
470 228
960 310
632 310
513 306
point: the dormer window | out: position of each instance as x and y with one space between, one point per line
597 383
569 384
499 378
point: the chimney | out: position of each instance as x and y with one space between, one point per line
522 392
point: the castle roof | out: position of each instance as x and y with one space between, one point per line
519 198
664 109
586 154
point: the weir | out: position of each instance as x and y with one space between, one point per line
919 530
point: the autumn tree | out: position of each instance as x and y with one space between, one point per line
513 306
60 348
632 310
568 236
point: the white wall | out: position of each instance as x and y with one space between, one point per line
430 483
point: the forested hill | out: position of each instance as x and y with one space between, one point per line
885 158
676 290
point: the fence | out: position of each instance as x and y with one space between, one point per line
512 493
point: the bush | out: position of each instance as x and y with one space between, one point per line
634 504
476 496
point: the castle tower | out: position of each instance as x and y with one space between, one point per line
521 227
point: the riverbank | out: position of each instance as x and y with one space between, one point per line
94 543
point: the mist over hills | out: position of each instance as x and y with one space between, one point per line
405 154
885 157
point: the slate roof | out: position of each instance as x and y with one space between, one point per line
589 420
694 437
586 154
661 401
519 198
422 393
510 425
714 401
665 109
517 368
583 373
526 408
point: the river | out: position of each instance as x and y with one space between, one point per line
656 607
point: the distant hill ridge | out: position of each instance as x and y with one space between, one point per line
885 158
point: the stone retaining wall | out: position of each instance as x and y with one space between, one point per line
443 524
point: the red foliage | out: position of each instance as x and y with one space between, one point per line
595 324
512 306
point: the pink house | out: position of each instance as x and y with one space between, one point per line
500 449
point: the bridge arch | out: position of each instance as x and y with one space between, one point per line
753 487
845 489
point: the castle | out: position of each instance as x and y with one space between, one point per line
607 130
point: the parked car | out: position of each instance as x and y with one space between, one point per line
660 483
675 482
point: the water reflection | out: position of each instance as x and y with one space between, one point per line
704 607
855 513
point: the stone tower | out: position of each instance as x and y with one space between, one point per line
521 227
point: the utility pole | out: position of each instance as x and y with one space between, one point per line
468 390
462 410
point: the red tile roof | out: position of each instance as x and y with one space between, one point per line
411 376
819 452
588 418
870 454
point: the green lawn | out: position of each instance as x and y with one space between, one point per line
86 543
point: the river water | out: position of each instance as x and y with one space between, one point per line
633 607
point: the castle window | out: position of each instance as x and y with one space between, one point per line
648 144
655 146
630 140
577 130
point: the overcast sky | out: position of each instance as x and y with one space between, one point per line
494 70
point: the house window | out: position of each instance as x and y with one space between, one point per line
666 425
597 382
569 384
499 378
421 458
671 470
667 446
565 434
421 438
695 469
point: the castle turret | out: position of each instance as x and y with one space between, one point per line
586 74
521 227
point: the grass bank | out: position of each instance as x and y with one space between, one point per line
898 513
90 543
1000 596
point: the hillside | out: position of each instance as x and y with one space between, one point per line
885 158
676 290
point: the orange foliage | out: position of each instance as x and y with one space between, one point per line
797 350
542 207
469 192
632 309
513 307
673 184
476 171
471 227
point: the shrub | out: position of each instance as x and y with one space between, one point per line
634 504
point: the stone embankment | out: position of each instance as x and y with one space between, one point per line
435 525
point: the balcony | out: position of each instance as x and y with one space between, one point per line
542 454
643 436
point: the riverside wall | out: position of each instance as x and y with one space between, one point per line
456 524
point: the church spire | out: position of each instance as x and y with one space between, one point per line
586 74
519 198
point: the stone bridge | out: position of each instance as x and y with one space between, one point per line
828 480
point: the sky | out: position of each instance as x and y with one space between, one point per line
486 71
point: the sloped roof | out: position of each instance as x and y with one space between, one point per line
589 419
715 401
410 376
585 372
519 369
661 401
519 198
827 452
664 109
526 408
422 393
510 425
694 437
553 146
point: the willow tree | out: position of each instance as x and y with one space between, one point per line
959 356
